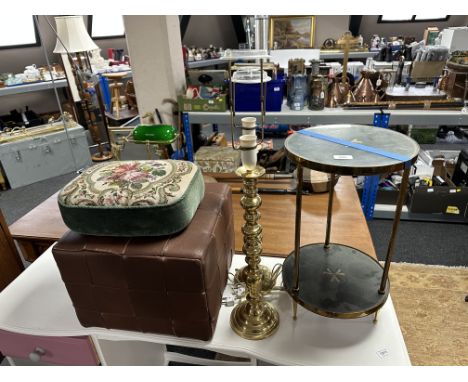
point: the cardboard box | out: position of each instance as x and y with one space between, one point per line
215 159
199 104
427 70
455 38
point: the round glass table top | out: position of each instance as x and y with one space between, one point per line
322 155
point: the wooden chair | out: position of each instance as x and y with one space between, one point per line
10 261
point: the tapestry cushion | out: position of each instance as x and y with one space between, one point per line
132 198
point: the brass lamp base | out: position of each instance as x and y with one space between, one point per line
254 323
106 155
102 155
253 318
268 280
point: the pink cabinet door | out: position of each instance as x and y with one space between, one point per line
74 351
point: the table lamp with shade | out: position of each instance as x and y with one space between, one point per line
72 37
253 317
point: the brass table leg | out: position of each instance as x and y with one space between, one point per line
330 210
253 318
297 235
375 316
396 222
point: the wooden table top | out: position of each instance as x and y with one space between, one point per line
349 226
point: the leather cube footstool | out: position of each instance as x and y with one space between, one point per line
167 284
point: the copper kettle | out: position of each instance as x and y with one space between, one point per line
364 90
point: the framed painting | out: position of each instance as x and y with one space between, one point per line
291 32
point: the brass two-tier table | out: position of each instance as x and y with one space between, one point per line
332 279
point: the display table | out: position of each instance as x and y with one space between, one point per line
42 226
37 304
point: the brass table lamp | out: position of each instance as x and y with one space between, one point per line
253 318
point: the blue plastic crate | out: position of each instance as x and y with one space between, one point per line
248 96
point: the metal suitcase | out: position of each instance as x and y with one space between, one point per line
41 157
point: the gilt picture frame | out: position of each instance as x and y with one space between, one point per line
291 32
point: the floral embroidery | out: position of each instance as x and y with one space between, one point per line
129 183
132 174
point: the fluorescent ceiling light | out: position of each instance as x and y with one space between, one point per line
397 18
17 30
430 17
107 25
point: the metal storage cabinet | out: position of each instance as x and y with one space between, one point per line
42 157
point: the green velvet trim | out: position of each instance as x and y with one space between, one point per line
136 221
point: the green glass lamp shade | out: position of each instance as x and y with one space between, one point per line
155 133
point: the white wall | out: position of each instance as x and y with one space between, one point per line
330 27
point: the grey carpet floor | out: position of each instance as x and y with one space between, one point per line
417 242
423 242
16 203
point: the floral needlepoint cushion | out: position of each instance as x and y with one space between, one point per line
133 198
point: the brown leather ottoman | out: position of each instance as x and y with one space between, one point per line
168 285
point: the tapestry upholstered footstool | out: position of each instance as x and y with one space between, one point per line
169 284
132 198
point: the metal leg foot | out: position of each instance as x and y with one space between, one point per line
375 317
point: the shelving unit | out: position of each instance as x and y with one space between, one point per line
205 63
323 56
352 55
338 115
383 212
33 87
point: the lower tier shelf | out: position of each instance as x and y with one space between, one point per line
338 282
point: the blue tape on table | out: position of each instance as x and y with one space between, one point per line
358 146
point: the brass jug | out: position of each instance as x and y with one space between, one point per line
364 90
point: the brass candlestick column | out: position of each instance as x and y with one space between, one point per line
253 318
268 276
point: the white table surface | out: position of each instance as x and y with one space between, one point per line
37 303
